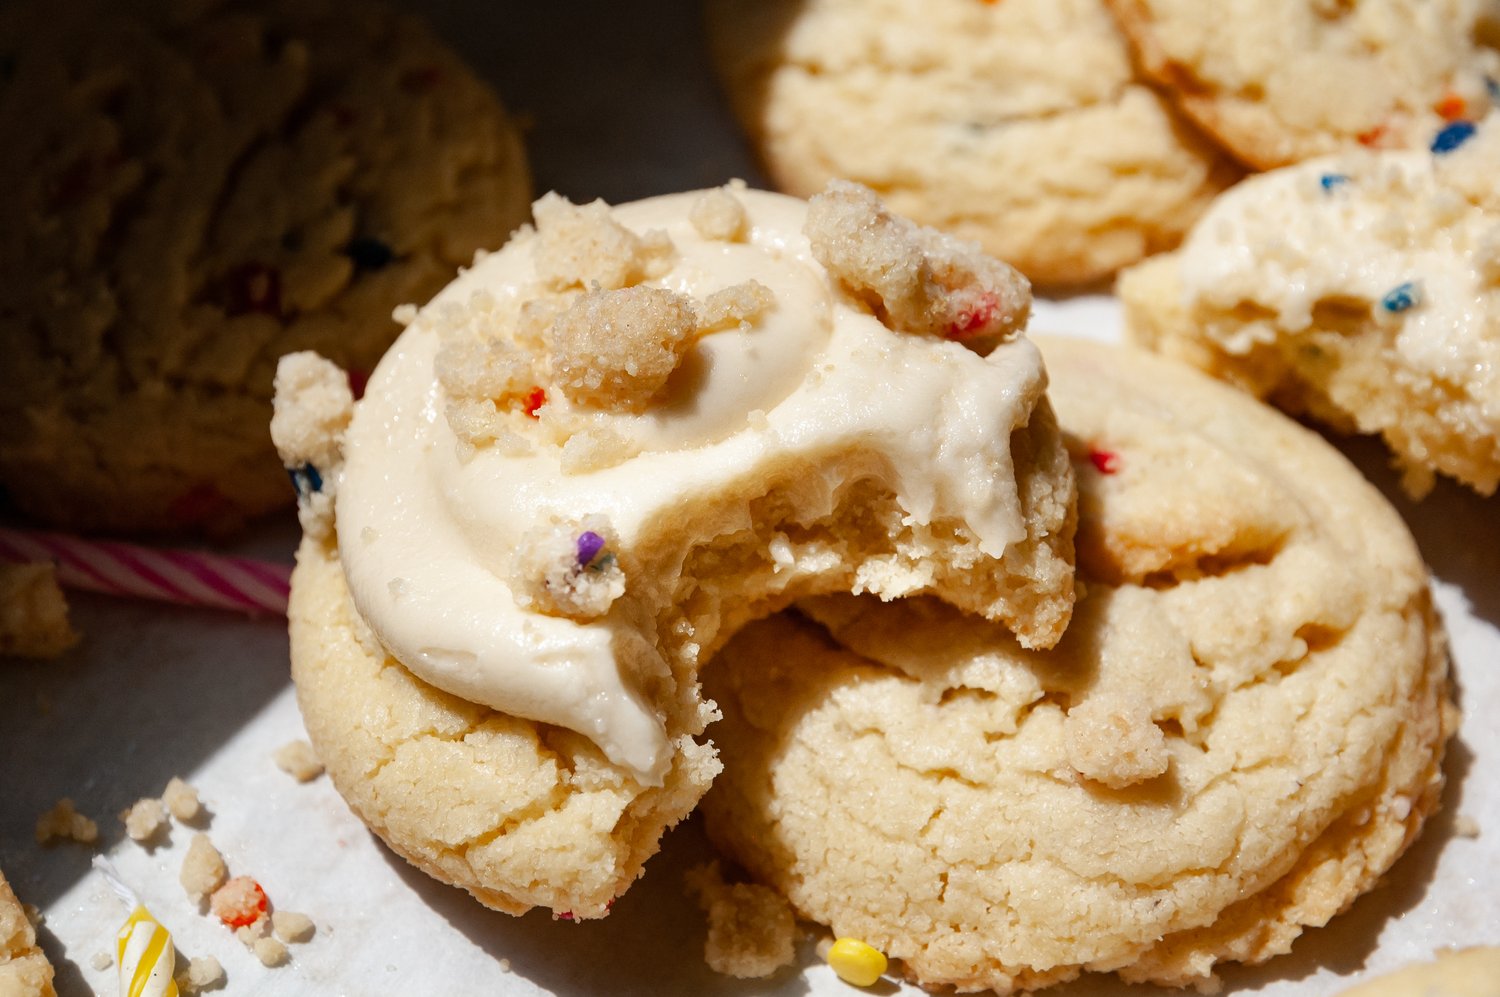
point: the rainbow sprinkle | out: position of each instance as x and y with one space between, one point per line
1332 180
589 546
1453 136
1401 298
305 479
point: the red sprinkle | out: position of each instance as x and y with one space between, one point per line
242 917
566 915
1451 107
535 400
357 381
973 319
1373 136
1106 461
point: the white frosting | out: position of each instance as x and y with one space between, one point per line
1285 242
829 379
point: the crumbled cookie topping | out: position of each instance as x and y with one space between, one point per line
1114 741
737 305
310 415
614 350
203 869
144 819
719 215
581 245
181 798
298 760
569 569
916 279
751 930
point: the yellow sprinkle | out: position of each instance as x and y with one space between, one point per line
855 962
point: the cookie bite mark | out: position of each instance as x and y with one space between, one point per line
916 279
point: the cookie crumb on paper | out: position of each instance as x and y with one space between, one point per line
751 931
298 760
64 823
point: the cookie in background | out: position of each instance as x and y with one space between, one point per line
1362 289
194 189
1279 81
1020 125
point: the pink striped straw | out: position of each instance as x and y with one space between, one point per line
187 578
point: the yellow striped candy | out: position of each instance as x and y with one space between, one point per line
146 958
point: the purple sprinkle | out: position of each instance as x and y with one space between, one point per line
589 546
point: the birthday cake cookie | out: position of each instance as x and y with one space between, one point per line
1362 289
194 189
1019 124
1279 81
602 450
1240 732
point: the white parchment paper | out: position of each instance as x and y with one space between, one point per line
623 106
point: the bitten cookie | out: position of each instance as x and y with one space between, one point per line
1018 124
1279 81
1362 289
1465 973
192 190
24 969
1240 732
597 454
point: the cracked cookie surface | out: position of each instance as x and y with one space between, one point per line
1240 731
1019 125
196 189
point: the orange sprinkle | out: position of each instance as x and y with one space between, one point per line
1373 136
1451 107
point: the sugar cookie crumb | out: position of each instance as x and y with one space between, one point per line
269 951
750 927
64 823
916 278
203 868
181 799
310 414
203 973
718 214
144 819
33 612
582 245
101 961
614 350
569 569
297 759
739 304
1114 741
1465 826
291 926
239 903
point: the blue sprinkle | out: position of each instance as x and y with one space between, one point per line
1402 297
369 254
1453 136
1332 180
305 479
589 546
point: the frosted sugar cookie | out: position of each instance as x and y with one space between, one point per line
1240 732
194 189
1018 124
1278 81
602 450
1362 289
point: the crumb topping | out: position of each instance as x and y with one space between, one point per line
916 279
310 414
64 823
144 819
614 350
581 245
181 798
1114 741
298 760
719 215
569 569
203 868
751 930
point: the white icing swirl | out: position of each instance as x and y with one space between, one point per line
829 379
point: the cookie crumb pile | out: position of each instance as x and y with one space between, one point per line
751 931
